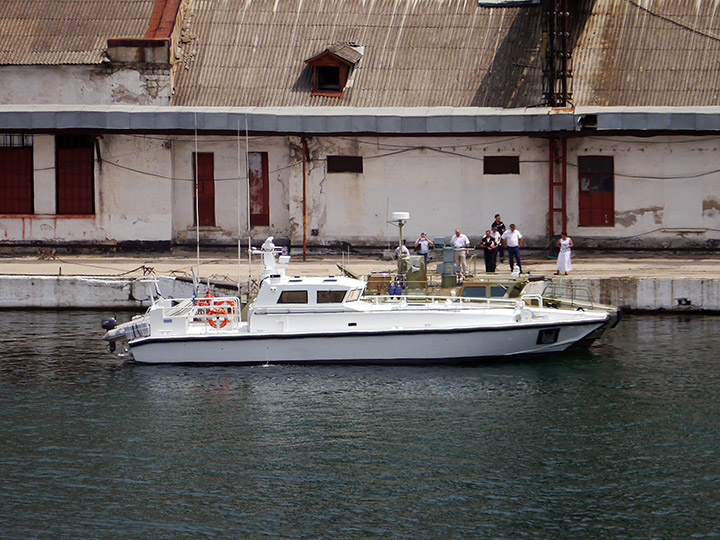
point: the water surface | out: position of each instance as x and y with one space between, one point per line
619 442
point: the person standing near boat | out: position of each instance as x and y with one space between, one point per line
424 245
564 260
460 245
402 251
501 230
513 240
489 246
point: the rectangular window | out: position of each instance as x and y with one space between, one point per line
341 164
16 174
293 297
597 191
259 189
501 165
330 297
74 174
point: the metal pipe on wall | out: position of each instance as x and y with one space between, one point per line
304 197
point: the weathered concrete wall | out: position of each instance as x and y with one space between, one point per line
667 192
132 195
90 292
439 181
655 294
88 85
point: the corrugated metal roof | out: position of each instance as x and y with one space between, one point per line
66 31
428 52
647 52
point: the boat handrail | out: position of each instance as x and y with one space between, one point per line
569 292
432 299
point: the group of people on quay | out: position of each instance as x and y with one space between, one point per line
496 241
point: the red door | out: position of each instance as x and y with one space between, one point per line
259 189
74 174
204 171
597 191
16 176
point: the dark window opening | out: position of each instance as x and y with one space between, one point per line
74 174
293 297
548 336
501 165
16 174
597 191
328 78
340 164
330 297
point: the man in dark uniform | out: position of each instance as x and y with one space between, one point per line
501 229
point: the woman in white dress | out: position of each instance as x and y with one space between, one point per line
564 263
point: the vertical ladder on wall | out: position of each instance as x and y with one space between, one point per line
557 175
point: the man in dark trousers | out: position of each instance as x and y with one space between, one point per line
500 229
489 245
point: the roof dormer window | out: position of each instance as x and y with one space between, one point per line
332 67
327 79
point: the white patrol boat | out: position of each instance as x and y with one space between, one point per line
328 320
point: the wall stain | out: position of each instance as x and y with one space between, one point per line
710 207
629 217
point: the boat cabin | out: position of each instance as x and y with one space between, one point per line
284 293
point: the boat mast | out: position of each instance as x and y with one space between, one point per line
197 204
247 177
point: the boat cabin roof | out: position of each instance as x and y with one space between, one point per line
321 291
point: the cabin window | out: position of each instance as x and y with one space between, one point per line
16 174
597 191
74 174
501 165
293 297
330 297
353 295
341 164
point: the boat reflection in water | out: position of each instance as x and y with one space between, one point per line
316 320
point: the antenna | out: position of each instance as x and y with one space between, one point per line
400 219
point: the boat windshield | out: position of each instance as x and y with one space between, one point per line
353 295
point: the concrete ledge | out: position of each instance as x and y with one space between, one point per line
655 294
68 292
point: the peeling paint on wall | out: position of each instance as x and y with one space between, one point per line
628 218
710 207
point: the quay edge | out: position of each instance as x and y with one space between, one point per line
648 294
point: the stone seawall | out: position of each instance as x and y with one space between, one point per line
71 292
59 292
651 294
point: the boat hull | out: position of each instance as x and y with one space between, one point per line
418 346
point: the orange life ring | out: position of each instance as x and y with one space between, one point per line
217 317
205 302
224 303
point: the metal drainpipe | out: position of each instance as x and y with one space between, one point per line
304 198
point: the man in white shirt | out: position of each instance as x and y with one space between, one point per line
512 239
460 244
402 251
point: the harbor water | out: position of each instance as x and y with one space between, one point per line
621 441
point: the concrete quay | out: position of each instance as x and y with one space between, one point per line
637 281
